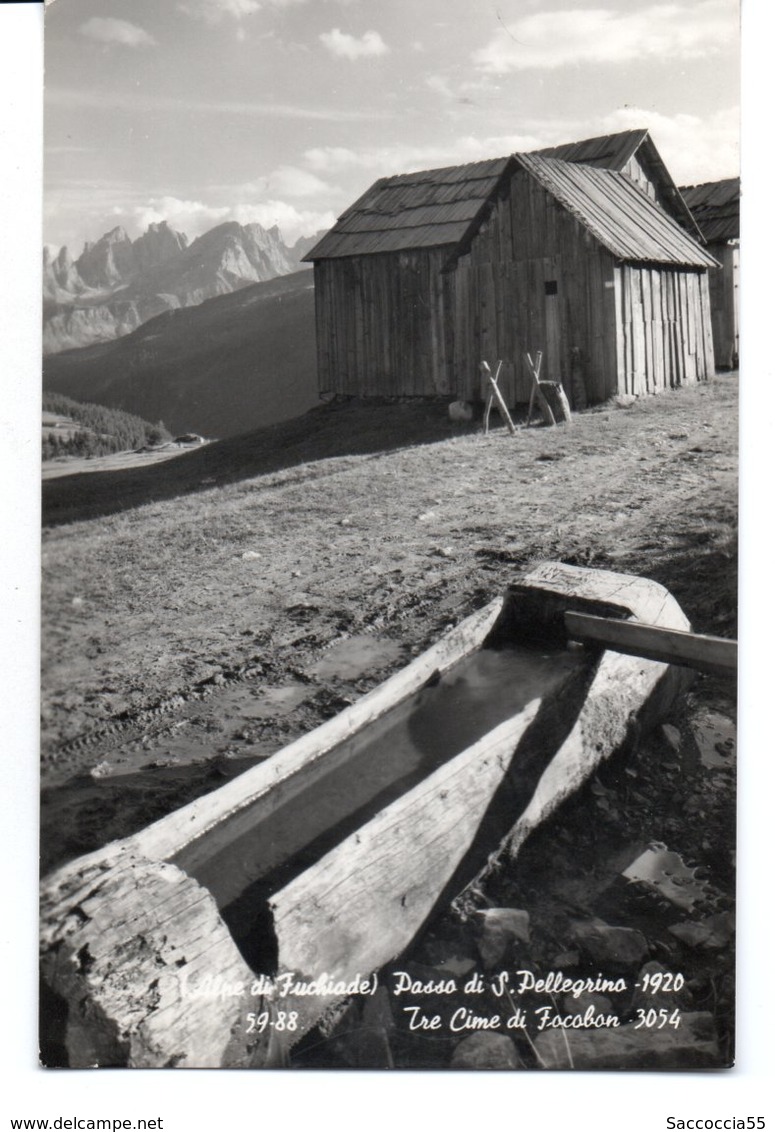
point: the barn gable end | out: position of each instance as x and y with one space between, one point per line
632 152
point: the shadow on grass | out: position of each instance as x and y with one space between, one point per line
345 429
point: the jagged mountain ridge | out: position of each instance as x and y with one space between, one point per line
111 263
117 284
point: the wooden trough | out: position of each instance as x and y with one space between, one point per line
222 933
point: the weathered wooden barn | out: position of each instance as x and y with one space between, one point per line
716 208
429 273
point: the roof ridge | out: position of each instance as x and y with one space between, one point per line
445 208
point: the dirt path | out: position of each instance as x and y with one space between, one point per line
86 465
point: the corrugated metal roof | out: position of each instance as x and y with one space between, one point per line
619 214
715 206
432 208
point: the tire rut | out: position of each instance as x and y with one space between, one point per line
154 720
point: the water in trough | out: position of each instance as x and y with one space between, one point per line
260 848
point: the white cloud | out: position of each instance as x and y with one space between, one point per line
290 181
693 149
157 104
604 35
346 46
194 217
189 216
332 158
291 221
213 11
284 181
384 160
439 85
105 29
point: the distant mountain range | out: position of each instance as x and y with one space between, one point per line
234 363
117 284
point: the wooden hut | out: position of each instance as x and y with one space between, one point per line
429 273
716 208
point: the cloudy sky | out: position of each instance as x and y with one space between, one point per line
283 111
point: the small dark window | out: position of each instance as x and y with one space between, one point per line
550 287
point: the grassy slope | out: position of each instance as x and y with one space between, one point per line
141 603
329 431
231 364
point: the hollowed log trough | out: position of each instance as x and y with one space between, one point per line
325 861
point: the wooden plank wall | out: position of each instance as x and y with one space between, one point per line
665 337
724 310
502 311
637 171
640 176
382 327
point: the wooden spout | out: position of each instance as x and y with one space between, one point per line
714 655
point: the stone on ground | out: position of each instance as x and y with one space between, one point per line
485 1051
613 949
501 928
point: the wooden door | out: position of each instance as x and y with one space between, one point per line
552 323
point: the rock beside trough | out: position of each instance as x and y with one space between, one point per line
613 949
485 1051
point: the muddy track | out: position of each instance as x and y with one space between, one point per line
151 723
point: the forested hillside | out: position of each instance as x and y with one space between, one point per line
75 428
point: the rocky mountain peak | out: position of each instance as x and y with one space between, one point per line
305 244
116 283
157 245
109 262
60 275
53 254
220 231
116 235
